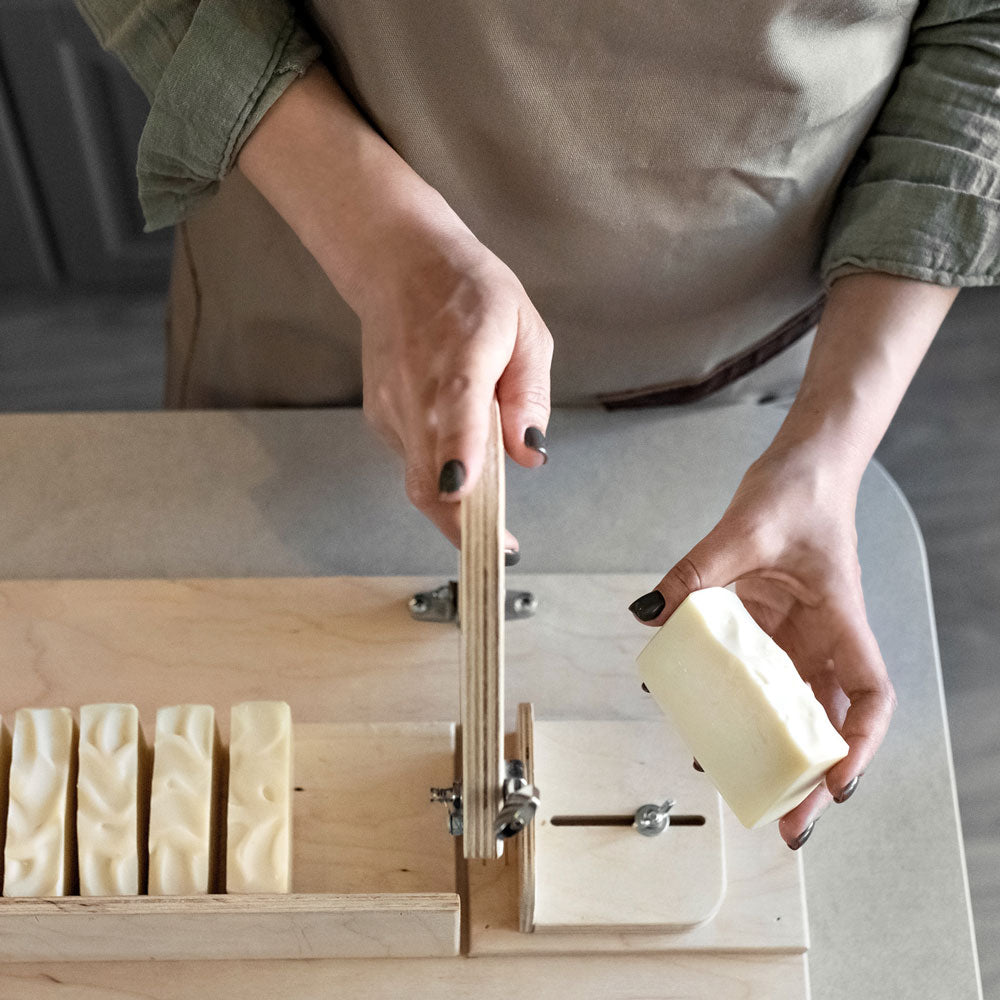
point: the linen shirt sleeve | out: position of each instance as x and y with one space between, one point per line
922 196
211 69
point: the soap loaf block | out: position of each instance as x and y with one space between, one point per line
112 801
40 848
259 842
184 802
738 702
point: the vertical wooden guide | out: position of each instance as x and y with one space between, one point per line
481 615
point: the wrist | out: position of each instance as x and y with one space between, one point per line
355 204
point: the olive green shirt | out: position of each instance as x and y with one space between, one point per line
921 199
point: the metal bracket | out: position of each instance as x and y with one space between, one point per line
453 797
441 604
520 801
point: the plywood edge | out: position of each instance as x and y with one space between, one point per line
231 927
236 903
526 841
481 613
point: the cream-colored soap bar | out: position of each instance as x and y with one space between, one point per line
184 802
40 847
740 705
111 801
259 842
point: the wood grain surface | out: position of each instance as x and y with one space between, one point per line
344 650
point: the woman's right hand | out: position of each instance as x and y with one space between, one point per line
447 327
445 324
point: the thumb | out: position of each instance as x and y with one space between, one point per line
523 394
711 563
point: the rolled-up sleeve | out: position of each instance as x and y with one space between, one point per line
922 197
211 70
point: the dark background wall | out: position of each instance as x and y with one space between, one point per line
70 120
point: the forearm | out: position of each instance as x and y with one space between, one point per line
872 336
350 198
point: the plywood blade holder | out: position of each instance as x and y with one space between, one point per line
493 800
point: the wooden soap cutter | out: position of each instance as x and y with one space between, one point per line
496 797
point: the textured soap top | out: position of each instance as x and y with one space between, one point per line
737 700
182 812
39 847
258 856
111 797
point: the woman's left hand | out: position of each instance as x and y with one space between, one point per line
788 541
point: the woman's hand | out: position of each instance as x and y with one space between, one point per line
788 541
788 537
446 328
445 325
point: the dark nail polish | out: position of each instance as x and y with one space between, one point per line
511 557
848 790
646 689
535 440
452 476
647 607
802 837
697 766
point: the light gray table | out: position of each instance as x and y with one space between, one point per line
293 493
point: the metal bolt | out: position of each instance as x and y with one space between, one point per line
651 819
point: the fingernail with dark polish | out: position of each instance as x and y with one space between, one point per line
452 476
511 557
802 837
647 607
848 790
535 440
697 766
646 689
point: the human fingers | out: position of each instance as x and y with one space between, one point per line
796 826
862 674
446 515
714 562
523 391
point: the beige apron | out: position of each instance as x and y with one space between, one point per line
658 174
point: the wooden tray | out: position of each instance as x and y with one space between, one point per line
373 871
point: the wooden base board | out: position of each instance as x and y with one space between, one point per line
373 870
343 650
592 878
762 912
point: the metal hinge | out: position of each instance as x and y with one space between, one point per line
441 604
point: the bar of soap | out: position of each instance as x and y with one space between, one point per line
112 801
738 702
184 802
259 842
40 848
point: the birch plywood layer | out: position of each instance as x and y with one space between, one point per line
341 649
344 650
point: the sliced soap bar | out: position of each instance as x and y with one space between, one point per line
259 842
40 848
112 798
740 705
184 802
